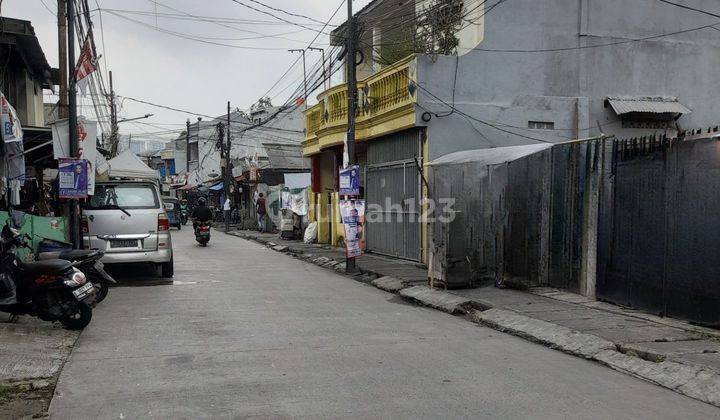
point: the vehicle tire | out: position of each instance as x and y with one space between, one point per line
101 290
167 269
179 226
203 243
80 319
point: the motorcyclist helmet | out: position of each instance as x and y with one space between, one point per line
201 201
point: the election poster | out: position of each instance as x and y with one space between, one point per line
87 143
353 218
72 178
350 181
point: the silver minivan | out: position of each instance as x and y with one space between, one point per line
127 220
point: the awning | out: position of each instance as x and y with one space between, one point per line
217 187
187 187
647 105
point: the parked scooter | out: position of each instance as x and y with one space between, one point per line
87 261
202 233
52 290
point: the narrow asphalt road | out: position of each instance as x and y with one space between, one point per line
246 332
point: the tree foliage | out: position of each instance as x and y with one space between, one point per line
437 27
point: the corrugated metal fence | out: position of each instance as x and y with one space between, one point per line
659 230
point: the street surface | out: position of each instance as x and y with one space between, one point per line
246 332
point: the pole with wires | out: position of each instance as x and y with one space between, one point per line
62 58
113 119
352 101
305 95
72 119
228 171
187 147
324 75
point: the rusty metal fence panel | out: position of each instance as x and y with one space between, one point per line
660 228
392 186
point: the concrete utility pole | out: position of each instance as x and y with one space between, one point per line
352 99
228 169
62 58
187 147
113 120
72 119
301 50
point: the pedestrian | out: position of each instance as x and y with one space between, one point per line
261 212
226 213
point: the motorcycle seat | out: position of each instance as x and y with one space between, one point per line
71 255
45 267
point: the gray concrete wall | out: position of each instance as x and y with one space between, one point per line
569 87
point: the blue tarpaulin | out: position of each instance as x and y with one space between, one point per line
217 187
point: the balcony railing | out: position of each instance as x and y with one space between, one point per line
390 89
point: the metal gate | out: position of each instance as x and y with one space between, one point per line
393 191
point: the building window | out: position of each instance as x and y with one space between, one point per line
541 125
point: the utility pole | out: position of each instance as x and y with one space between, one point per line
72 119
187 147
228 167
228 170
323 64
62 58
301 50
113 119
352 100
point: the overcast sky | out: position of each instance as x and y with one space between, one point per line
161 68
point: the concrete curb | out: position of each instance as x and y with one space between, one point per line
693 381
389 284
551 335
437 299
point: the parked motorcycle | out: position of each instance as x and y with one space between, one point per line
87 261
52 290
202 233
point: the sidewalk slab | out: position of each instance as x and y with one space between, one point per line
675 348
32 349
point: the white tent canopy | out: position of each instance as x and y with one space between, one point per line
127 165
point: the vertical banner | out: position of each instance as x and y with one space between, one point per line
72 178
13 161
353 218
350 181
87 139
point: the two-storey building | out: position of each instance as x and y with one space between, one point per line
522 72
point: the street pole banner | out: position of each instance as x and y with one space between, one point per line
350 181
353 218
12 163
87 139
86 65
72 178
11 129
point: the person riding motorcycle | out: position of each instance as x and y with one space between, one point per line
183 210
201 213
